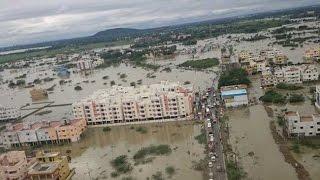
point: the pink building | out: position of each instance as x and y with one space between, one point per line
22 134
14 165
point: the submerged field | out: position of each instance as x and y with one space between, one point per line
92 156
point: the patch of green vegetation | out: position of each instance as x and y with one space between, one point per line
273 97
170 170
234 77
106 129
112 83
200 165
313 144
122 76
200 64
235 172
295 148
78 88
157 176
142 130
280 120
288 86
152 150
121 164
202 138
295 98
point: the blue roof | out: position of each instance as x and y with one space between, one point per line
234 92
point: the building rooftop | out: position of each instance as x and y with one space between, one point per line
291 113
234 92
306 119
43 168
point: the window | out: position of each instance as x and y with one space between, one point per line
311 127
301 127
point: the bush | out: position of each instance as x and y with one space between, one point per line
170 170
295 148
288 86
78 88
112 83
273 97
157 176
152 150
122 76
121 164
294 98
202 138
142 130
106 129
234 172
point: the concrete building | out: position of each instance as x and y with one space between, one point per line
296 74
234 96
87 62
24 134
296 125
9 113
50 166
156 102
312 54
13 165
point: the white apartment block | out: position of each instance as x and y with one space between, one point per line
87 62
290 74
9 113
296 125
164 101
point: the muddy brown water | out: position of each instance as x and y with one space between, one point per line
249 132
92 155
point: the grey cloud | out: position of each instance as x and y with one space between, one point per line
32 21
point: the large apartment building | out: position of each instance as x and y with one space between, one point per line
164 101
21 134
9 113
296 125
289 74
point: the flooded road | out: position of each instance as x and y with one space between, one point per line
92 155
249 132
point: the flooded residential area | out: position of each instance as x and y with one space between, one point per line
232 99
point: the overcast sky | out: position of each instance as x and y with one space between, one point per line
29 21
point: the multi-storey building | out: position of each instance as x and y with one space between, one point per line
290 75
164 101
312 54
50 166
296 125
13 165
21 134
9 113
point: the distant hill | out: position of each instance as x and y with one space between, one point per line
117 33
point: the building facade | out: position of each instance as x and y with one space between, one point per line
24 134
234 96
13 165
296 74
301 126
9 113
164 101
49 166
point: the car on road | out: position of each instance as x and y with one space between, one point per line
209 124
213 159
210 164
211 138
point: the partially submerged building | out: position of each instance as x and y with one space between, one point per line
53 132
9 113
301 126
38 94
235 95
147 103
